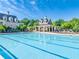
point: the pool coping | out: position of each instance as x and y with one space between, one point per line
58 33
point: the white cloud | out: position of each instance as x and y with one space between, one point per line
33 2
34 5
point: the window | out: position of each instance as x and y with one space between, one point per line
1 23
4 17
11 19
15 19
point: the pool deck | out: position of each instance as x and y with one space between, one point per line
59 33
73 34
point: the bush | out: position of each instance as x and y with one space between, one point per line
66 25
22 27
76 28
2 28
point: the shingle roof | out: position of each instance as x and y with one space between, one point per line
1 15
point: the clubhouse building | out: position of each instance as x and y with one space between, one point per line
44 25
9 20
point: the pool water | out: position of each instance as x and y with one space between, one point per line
32 45
5 54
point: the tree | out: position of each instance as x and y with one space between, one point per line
74 21
58 22
2 29
76 28
66 25
33 24
26 21
22 27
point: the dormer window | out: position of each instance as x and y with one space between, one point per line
10 18
15 19
4 17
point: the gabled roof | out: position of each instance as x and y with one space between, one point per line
1 15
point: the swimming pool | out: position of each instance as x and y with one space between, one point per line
5 54
32 45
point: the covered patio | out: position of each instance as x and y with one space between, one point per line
43 28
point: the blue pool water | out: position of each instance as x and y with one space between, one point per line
5 54
32 45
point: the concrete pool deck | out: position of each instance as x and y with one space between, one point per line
58 33
72 34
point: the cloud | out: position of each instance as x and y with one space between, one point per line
33 2
5 6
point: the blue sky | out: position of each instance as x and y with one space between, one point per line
54 9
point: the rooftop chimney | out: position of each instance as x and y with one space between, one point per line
8 12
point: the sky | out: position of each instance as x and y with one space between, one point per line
35 9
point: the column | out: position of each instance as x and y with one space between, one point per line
39 28
49 28
52 29
35 28
43 28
